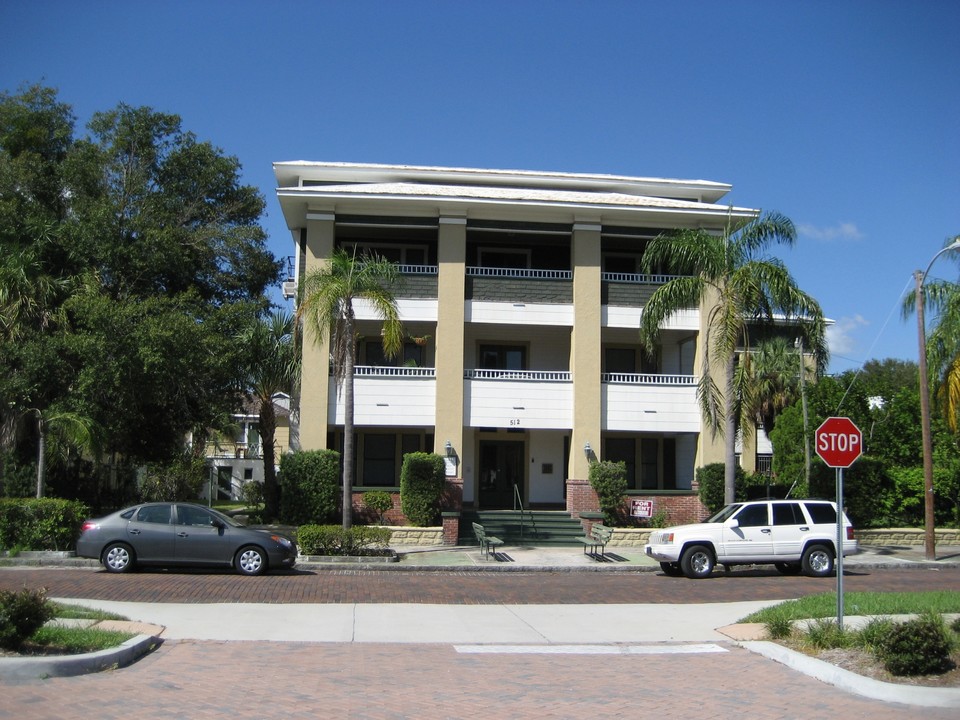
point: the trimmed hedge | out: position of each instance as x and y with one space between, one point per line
609 480
334 540
21 615
309 486
422 478
40 524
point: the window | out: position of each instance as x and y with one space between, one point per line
411 354
194 516
822 513
620 360
649 463
399 254
504 258
753 516
787 514
379 460
503 357
154 514
623 450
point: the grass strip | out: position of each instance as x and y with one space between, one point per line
71 641
860 603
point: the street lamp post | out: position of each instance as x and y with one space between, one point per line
929 539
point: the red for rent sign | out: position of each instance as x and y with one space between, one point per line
839 442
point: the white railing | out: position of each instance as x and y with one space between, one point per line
636 278
524 274
388 371
529 375
417 269
648 379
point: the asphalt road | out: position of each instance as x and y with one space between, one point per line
324 585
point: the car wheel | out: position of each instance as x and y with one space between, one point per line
697 562
818 561
117 558
788 568
251 560
671 568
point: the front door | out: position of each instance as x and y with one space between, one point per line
501 468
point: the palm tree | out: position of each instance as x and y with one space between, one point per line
943 344
326 307
742 288
274 367
65 430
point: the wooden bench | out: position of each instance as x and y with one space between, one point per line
488 543
598 538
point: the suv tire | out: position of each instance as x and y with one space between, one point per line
697 561
817 561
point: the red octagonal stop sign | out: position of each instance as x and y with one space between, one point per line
839 442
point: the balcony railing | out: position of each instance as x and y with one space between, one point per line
528 375
388 371
647 379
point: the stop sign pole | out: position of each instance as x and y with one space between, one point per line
839 443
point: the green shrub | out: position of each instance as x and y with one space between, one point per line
871 636
917 647
609 480
379 501
21 615
40 524
825 634
710 480
422 480
334 540
19 481
181 479
779 626
309 486
252 494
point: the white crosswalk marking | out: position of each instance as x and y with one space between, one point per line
692 648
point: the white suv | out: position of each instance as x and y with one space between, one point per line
793 535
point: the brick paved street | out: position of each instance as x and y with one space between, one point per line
206 679
482 588
197 680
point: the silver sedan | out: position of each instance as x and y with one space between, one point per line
168 533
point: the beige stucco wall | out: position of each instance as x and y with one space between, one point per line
451 258
585 355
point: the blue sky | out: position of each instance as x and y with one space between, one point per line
841 115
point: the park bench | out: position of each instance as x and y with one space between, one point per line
488 543
598 538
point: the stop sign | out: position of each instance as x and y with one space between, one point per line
839 442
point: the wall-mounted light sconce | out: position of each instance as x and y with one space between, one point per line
587 450
449 448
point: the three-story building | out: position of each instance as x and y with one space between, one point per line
521 300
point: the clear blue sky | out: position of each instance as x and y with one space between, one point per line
845 116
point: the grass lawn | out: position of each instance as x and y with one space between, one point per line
824 605
59 640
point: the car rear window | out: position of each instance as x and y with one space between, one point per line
822 513
788 514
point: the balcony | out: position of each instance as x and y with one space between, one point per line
518 399
388 397
633 402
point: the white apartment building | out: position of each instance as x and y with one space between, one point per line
521 301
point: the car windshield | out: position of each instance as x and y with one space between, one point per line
727 512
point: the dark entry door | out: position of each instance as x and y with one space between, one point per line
501 467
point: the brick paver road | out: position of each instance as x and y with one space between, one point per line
482 588
197 680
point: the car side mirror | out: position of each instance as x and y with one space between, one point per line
731 523
219 524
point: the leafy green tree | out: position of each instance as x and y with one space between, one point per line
272 367
130 260
326 309
741 288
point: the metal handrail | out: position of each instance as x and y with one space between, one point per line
518 501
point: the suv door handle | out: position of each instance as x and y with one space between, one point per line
766 530
805 528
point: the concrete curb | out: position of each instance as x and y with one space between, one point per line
39 667
857 684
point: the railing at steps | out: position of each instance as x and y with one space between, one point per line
518 506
